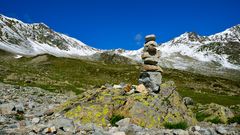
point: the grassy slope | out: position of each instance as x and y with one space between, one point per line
63 74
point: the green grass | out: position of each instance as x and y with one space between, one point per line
201 116
215 120
235 119
65 74
115 118
180 125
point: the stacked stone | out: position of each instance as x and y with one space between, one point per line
151 76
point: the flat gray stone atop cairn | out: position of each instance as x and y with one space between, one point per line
150 75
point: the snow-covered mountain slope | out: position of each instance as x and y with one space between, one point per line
191 50
34 39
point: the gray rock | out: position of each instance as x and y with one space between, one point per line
221 130
204 131
119 133
151 37
123 122
195 128
2 119
180 132
6 108
64 124
19 108
35 120
188 101
151 80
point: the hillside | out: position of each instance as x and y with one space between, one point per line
65 74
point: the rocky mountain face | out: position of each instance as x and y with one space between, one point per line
34 39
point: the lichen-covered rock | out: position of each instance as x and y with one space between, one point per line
146 110
214 111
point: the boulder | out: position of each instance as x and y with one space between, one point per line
151 37
215 111
145 110
151 80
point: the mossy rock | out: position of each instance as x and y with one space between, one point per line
151 111
213 113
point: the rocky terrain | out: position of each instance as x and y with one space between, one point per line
109 110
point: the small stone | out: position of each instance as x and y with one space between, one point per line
221 130
50 130
123 122
19 108
195 128
2 119
152 68
151 37
49 112
150 43
128 88
6 108
119 133
180 132
151 61
35 120
142 89
188 101
145 55
117 87
64 124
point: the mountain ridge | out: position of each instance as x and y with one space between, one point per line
186 52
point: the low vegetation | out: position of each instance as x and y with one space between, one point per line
180 125
235 119
115 118
201 116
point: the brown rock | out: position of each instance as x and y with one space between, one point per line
142 89
152 50
151 43
128 88
151 61
152 68
145 55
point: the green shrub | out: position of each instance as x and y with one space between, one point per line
235 119
201 116
19 117
179 125
115 118
215 120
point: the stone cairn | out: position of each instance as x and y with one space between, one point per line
150 75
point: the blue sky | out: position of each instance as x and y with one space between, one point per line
110 24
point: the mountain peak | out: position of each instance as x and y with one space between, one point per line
188 37
37 38
231 34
